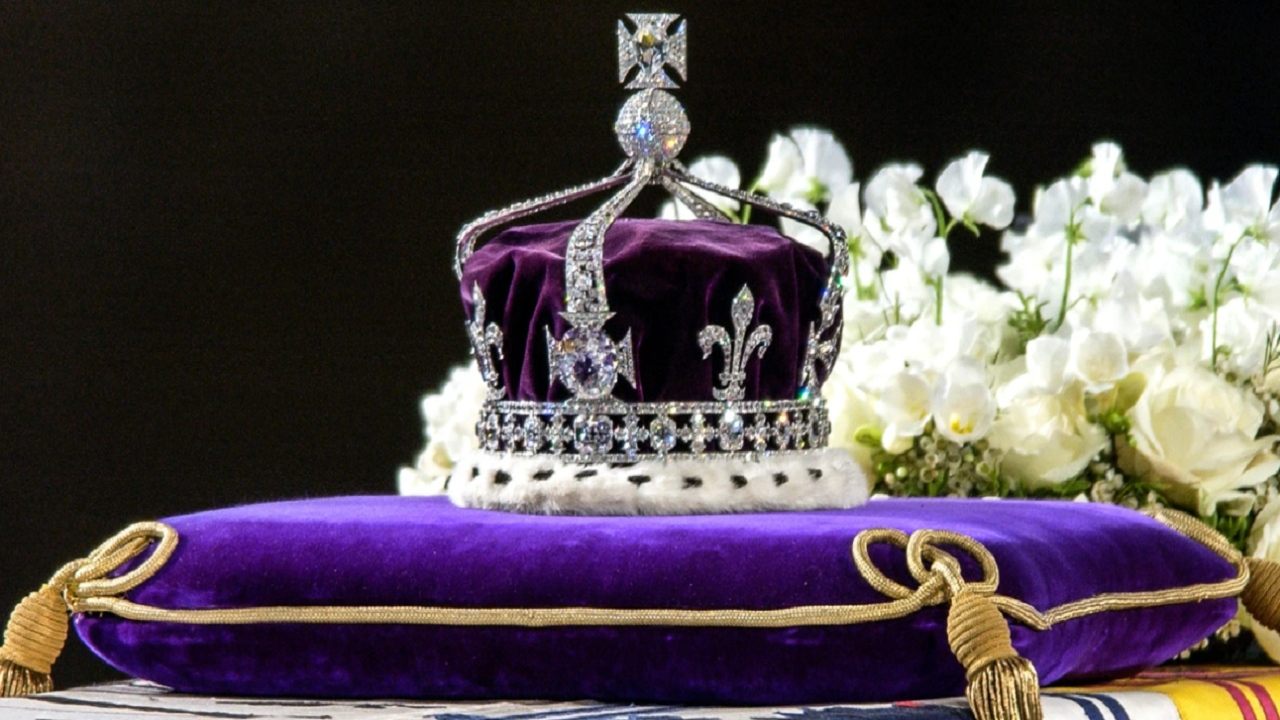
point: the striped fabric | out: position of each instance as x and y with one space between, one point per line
1191 693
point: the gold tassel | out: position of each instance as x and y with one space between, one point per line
1261 596
1002 684
33 640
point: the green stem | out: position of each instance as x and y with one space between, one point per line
1066 286
937 310
1073 235
1217 300
746 209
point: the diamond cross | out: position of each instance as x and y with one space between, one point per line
650 47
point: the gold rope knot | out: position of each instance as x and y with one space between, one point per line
1002 684
1261 596
37 628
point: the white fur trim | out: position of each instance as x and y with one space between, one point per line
812 480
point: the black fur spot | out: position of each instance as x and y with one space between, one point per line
620 465
475 473
692 482
638 480
780 479
586 474
543 475
815 473
739 481
501 477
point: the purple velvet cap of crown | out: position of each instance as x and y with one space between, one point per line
666 281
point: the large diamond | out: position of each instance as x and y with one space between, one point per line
593 434
587 362
732 431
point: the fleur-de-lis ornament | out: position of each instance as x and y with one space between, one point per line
485 341
737 348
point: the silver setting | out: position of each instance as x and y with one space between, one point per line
593 426
621 432
737 347
485 341
651 47
652 125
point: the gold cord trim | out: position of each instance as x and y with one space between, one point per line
1002 684
930 565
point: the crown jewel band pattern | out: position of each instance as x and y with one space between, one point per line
593 425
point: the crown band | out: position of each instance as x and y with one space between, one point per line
620 432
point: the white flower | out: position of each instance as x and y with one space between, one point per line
1242 333
904 403
1265 544
967 194
1174 199
451 415
1046 438
1098 359
1114 191
1246 202
1141 323
963 408
810 165
898 215
850 410
714 168
1197 435
1046 370
844 211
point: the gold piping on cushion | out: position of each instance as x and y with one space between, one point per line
1002 685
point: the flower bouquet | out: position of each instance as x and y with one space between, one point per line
1129 355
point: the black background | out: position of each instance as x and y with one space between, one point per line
225 229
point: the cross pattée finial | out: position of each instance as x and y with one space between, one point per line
651 47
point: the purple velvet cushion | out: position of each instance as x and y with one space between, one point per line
666 281
424 551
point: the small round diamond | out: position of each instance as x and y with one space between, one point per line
593 434
732 431
663 434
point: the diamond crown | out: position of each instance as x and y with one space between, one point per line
593 425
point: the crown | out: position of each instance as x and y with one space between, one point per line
649 366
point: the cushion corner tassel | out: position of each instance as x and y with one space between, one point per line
38 626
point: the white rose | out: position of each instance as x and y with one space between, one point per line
1046 438
1197 436
451 415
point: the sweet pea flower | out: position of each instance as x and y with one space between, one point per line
713 168
1174 199
1246 203
807 164
968 195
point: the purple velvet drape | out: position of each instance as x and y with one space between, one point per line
666 281
424 551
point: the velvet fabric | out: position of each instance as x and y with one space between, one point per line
666 281
424 551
